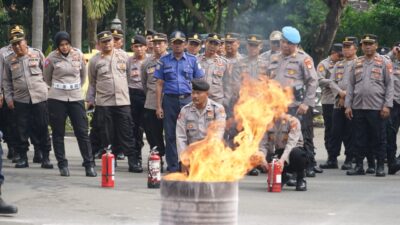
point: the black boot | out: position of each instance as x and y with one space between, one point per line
135 165
120 156
347 163
331 163
380 169
37 156
310 172
394 167
371 166
16 157
301 184
292 180
357 170
10 153
64 171
46 164
6 208
90 172
22 162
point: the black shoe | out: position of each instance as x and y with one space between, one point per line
64 171
370 170
121 156
37 157
135 165
6 208
394 167
358 170
46 164
16 157
90 172
253 172
318 169
347 165
330 164
380 169
301 185
22 163
291 182
285 179
310 172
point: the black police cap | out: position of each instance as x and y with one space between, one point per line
337 47
138 39
371 38
350 40
200 85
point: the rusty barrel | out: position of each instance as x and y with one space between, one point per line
198 202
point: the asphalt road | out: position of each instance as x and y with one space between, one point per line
44 197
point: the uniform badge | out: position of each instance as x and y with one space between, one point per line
190 126
309 64
291 72
389 68
46 63
150 70
210 114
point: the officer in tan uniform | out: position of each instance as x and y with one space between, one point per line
294 69
65 72
324 71
118 36
274 44
369 97
196 116
194 44
136 94
342 127
110 94
149 35
26 92
285 142
153 126
215 68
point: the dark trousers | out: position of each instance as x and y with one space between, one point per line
1 160
32 120
327 114
392 130
59 111
298 161
115 126
172 106
342 131
94 135
154 130
8 125
369 134
307 129
138 98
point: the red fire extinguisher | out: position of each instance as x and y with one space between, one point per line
274 176
107 168
154 165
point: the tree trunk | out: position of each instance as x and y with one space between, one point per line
122 16
149 17
46 27
37 24
76 23
229 16
65 13
92 31
328 30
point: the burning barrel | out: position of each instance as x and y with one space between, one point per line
198 202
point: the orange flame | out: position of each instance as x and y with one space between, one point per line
210 160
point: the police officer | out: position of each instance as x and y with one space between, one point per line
342 128
324 71
26 92
108 80
285 141
118 36
4 207
196 116
65 72
252 66
174 74
215 68
368 101
274 44
8 120
136 94
221 48
194 44
394 120
149 35
295 69
152 125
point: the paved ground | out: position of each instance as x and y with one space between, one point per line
43 197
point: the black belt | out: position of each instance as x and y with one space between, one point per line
178 96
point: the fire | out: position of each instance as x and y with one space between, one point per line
210 160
